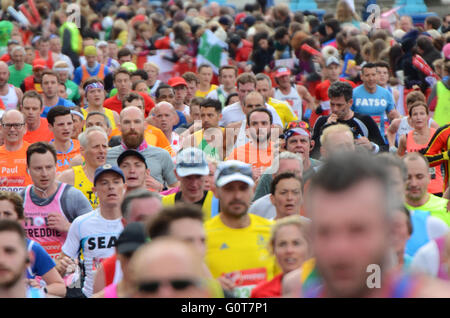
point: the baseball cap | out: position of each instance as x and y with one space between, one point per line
39 63
176 81
296 132
332 60
282 71
90 50
131 238
233 170
106 168
131 152
239 19
191 161
129 66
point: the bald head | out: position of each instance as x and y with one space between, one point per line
252 101
13 122
164 116
4 74
131 111
164 260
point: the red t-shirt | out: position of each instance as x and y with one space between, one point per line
114 103
268 289
40 134
322 89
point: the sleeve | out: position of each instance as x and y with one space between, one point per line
168 169
212 94
436 227
42 261
426 260
434 152
77 75
74 203
72 244
390 102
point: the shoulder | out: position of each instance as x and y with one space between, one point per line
260 222
84 217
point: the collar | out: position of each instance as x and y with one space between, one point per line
141 147
64 153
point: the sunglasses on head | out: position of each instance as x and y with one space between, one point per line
176 284
298 124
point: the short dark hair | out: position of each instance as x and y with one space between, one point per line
135 84
230 97
190 77
42 148
210 102
143 74
160 87
434 21
368 65
49 72
57 111
338 89
282 176
13 226
136 194
261 110
121 71
160 225
204 65
131 97
382 64
32 94
228 67
108 122
16 200
123 52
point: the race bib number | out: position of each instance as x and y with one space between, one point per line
245 280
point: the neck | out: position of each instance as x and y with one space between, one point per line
168 134
14 146
204 87
95 108
349 115
124 288
50 101
4 88
178 105
229 90
371 91
306 164
43 54
285 89
420 202
32 126
333 80
46 193
130 189
110 212
62 145
19 290
185 197
234 222
400 256
19 66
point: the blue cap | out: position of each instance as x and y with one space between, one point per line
106 168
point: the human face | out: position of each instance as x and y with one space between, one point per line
50 86
349 232
234 99
400 232
340 107
419 117
195 112
97 120
13 135
142 87
190 231
123 84
382 76
290 248
142 210
95 152
263 44
124 59
209 116
13 256
205 75
152 73
164 118
339 142
78 124
299 144
31 109
44 46
180 94
260 126
284 81
405 24
166 95
7 211
192 88
42 169
18 57
95 97
253 101
287 198
4 74
112 50
110 189
264 89
192 187
63 76
334 70
135 172
418 180
62 128
235 198
228 78
132 125
55 45
244 89
369 78
62 91
90 60
209 180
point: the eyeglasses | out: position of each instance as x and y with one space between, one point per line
245 170
298 124
176 284
15 125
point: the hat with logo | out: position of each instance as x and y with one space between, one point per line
131 238
233 170
131 152
191 161
282 71
107 168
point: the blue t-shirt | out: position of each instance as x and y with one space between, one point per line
61 102
41 261
375 105
182 120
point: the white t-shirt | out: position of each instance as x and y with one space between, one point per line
426 260
234 113
95 238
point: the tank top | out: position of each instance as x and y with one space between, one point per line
82 183
108 113
293 98
10 100
111 291
437 181
85 73
405 128
65 158
36 220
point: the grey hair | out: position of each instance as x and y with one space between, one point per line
108 122
262 77
283 156
83 137
139 193
20 48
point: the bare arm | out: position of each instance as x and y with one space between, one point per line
116 117
392 131
67 176
99 280
55 283
393 114
305 95
401 146
76 161
19 95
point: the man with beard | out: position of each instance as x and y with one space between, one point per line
364 128
259 151
9 95
132 126
236 244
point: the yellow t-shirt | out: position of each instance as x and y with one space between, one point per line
199 93
240 254
283 110
82 183
108 112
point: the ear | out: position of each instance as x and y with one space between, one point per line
312 143
272 199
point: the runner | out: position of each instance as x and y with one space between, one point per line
37 127
205 74
227 80
134 168
9 95
50 93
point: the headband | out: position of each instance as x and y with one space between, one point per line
61 69
74 112
92 86
296 131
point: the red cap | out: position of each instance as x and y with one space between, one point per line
282 71
39 63
176 81
239 19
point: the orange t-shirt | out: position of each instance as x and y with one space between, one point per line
63 160
248 153
40 134
13 169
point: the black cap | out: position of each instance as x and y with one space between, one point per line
131 152
131 238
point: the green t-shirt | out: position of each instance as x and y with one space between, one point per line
16 77
72 90
436 206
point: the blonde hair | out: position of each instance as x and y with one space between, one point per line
341 128
302 224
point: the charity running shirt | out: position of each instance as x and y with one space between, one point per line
13 169
240 254
436 206
93 238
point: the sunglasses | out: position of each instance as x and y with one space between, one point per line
245 170
298 124
176 284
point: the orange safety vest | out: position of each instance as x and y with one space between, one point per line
86 75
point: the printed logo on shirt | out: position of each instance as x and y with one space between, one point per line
52 248
6 170
371 102
224 246
261 242
101 242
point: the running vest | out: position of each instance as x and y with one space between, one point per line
30 85
108 113
293 98
85 74
404 127
36 220
64 159
49 59
10 100
82 183
169 200
437 181
442 111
